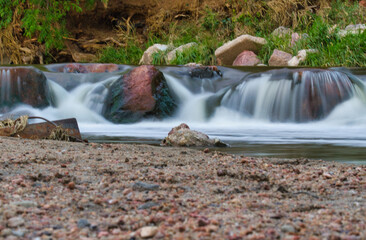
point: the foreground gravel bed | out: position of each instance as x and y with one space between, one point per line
60 190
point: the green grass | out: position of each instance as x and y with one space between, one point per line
214 28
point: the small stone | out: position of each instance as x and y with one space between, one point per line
288 228
71 185
103 234
15 222
83 223
281 31
19 232
147 205
6 232
141 186
148 232
206 150
26 204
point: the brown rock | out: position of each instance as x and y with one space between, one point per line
182 135
175 129
148 232
279 58
227 53
25 85
246 58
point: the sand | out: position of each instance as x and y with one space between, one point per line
61 190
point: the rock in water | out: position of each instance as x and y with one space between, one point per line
25 85
143 92
183 136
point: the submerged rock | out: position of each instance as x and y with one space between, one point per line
23 85
88 68
183 136
143 92
204 71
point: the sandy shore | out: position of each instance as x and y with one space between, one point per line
63 190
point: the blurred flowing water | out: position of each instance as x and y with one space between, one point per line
258 111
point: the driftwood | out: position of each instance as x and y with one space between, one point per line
65 129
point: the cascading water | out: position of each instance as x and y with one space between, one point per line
274 112
297 97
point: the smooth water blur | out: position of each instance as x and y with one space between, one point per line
214 107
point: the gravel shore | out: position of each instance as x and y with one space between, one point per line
61 190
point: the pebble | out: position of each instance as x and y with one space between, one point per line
26 204
71 185
288 228
6 232
147 205
148 232
19 232
83 223
15 222
142 186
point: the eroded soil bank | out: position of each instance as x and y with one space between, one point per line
114 191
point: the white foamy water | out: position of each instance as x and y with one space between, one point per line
242 118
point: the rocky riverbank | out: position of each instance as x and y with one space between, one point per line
116 191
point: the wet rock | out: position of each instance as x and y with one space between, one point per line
26 85
204 71
227 53
147 57
279 58
143 92
173 54
88 68
246 58
148 232
183 136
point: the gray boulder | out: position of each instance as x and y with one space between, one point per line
183 136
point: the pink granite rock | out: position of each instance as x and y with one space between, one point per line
246 58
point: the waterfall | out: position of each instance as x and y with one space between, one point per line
298 96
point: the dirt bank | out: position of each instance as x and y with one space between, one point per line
112 191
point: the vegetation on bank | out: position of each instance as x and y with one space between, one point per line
210 27
214 27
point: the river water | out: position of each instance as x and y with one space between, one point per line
257 117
